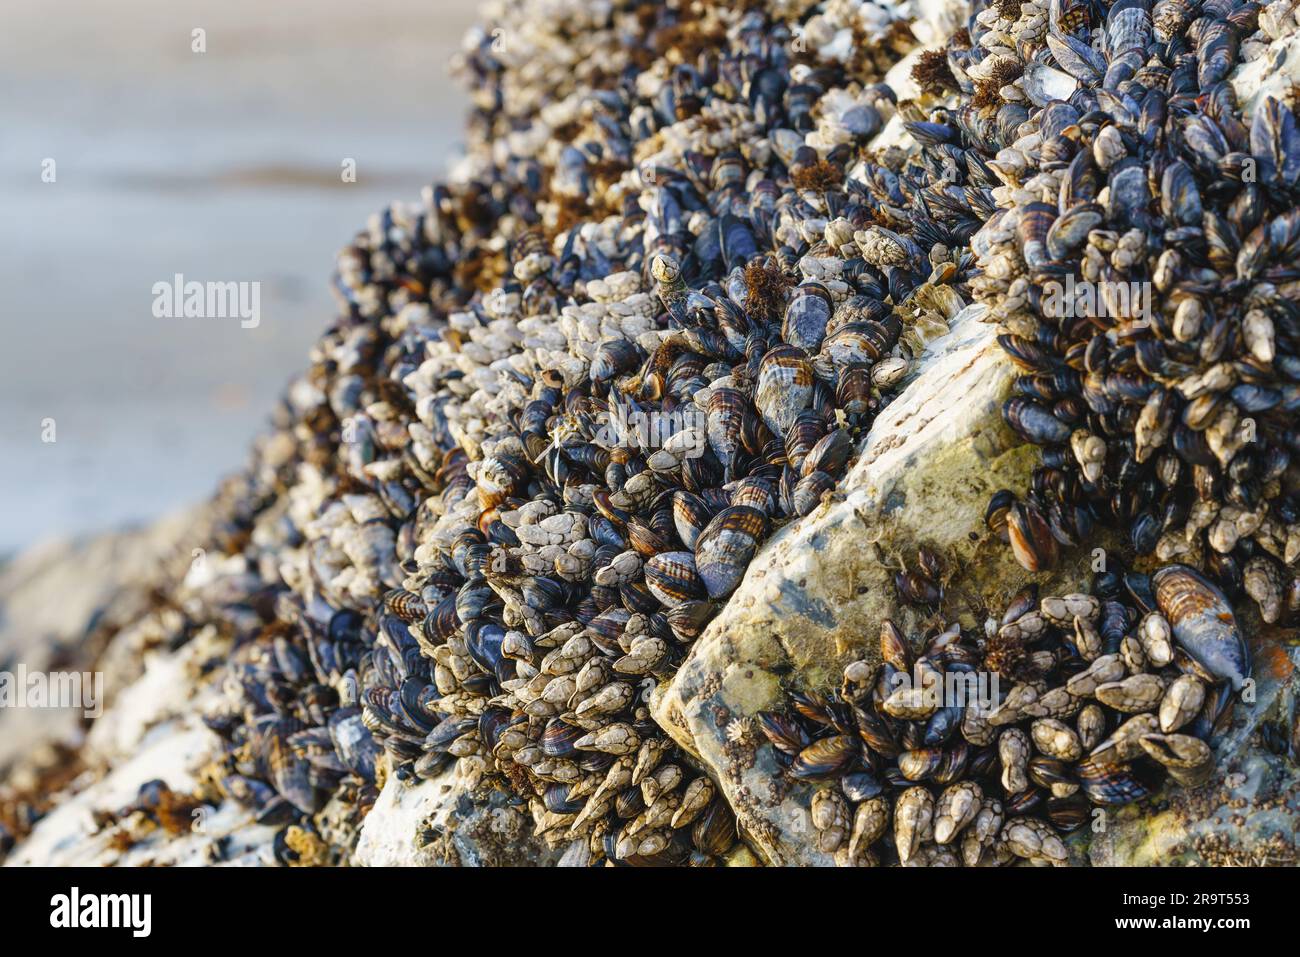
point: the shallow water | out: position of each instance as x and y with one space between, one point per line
221 166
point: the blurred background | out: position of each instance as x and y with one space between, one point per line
223 166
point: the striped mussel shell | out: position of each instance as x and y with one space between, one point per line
690 516
607 627
809 490
785 732
559 739
614 357
784 389
725 419
756 491
725 547
829 455
448 730
406 605
500 476
853 389
825 758
1031 537
689 618
1070 231
1033 422
1068 814
646 539
805 432
807 316
671 577
714 831
919 764
1112 783
1035 223
861 342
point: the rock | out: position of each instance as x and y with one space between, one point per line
53 597
153 731
814 597
1271 73
1248 814
445 822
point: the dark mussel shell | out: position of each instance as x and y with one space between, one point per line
1203 623
725 547
825 758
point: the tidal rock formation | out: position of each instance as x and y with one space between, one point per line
815 596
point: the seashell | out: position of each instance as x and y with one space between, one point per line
785 734
829 455
1071 229
807 316
726 545
810 491
1031 537
1111 784
1202 622
784 389
727 409
671 578
921 763
691 515
825 758
1076 58
1043 84
860 785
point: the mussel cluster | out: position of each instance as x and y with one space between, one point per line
569 396
1100 697
1142 265
647 320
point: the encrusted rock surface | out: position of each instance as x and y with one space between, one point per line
814 598
1248 814
445 822
811 601
56 601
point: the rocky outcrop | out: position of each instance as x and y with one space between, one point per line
814 598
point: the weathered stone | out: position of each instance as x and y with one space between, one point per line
445 822
53 598
814 597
